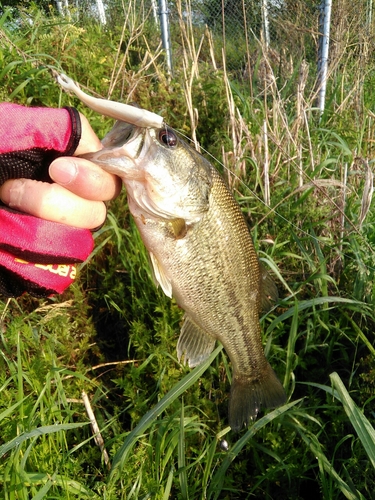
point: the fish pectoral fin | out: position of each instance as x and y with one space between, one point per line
159 276
194 343
268 290
178 228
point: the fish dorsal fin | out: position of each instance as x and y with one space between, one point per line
268 290
159 276
194 343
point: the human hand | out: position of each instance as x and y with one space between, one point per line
38 252
76 197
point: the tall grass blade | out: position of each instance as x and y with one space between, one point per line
181 457
306 304
362 426
168 486
361 335
291 353
325 466
150 417
39 431
218 478
10 410
44 490
208 468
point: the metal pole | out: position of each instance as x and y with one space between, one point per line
101 12
165 34
266 24
324 25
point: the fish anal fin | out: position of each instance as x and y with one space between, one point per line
194 343
268 290
249 394
159 276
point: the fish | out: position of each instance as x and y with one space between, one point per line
201 253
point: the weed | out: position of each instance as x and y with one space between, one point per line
113 334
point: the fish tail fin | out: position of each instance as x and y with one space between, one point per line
248 395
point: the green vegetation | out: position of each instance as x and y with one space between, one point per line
113 335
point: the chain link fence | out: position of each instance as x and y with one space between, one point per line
288 31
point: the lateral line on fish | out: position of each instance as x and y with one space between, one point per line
272 210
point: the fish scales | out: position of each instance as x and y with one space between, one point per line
202 254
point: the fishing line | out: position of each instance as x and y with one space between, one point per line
273 210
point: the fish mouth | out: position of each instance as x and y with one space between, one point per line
122 132
124 146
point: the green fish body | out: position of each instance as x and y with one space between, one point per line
202 254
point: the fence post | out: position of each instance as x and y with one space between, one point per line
101 12
165 34
266 25
324 25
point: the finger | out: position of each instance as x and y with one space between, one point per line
52 202
89 141
85 179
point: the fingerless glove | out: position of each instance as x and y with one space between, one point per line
37 256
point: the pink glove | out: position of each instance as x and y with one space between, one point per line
37 256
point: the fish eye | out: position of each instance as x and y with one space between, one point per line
168 137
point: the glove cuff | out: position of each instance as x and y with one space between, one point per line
39 256
76 134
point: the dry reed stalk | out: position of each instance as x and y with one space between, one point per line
8 41
242 143
211 47
133 79
343 195
115 363
278 128
318 184
311 150
187 38
157 53
368 191
190 65
300 169
133 25
300 100
245 142
227 157
2 317
248 57
266 177
99 441
114 76
231 105
193 112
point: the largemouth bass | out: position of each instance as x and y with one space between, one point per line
202 254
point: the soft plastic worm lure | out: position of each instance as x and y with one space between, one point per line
119 111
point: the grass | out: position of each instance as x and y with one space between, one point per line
113 335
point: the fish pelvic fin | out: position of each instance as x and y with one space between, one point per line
159 276
248 395
194 343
